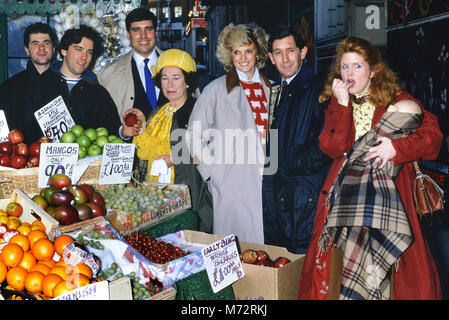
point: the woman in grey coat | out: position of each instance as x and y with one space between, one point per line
227 132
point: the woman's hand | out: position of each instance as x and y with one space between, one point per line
382 152
136 129
167 158
340 91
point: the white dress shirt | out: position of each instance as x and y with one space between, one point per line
141 67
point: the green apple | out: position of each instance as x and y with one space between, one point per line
116 140
102 131
94 150
91 133
112 137
101 141
68 137
82 153
84 141
77 130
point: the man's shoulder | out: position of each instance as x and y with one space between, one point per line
119 63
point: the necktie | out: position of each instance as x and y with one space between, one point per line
149 85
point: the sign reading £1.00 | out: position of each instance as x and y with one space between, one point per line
57 158
117 163
54 119
222 262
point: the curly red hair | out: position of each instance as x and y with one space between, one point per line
385 85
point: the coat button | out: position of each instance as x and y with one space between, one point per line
324 192
332 130
282 199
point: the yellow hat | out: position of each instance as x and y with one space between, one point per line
174 58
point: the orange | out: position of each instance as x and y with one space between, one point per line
3 212
43 249
13 223
22 241
33 281
39 224
12 254
49 283
60 271
35 235
82 268
3 271
24 229
16 278
4 219
61 287
28 261
77 280
41 268
61 242
50 263
61 263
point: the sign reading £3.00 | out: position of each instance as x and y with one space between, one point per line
54 119
222 263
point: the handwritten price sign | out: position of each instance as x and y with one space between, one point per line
222 263
54 119
56 158
4 130
117 163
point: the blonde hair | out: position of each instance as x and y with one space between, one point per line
385 85
239 35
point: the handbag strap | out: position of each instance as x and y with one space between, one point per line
417 169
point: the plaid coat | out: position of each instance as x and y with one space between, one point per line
416 276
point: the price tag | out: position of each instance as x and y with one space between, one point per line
56 158
4 130
117 163
222 263
94 291
54 119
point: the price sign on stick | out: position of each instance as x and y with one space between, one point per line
54 119
56 158
4 130
222 263
117 163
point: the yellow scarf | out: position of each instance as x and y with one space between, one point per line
155 141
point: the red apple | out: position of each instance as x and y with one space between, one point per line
15 136
22 149
5 147
249 256
18 161
14 209
280 262
34 149
5 161
33 162
262 255
130 119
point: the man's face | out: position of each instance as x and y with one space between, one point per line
40 49
287 57
142 35
77 58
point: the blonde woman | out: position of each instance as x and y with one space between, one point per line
227 132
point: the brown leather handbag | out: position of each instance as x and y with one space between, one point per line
427 194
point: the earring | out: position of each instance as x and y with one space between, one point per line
187 86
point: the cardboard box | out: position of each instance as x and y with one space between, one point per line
31 211
259 281
170 209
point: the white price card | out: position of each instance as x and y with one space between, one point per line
94 291
57 158
4 130
222 262
54 119
117 163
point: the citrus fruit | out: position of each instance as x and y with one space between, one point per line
13 223
22 241
4 219
3 212
41 268
16 278
83 268
50 263
12 254
77 280
35 235
24 229
28 261
61 242
3 271
33 281
60 271
43 249
61 287
49 283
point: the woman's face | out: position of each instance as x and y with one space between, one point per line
244 58
356 72
173 85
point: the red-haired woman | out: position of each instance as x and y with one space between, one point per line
367 242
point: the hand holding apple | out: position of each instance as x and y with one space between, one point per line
134 122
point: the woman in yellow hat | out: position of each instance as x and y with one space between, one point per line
161 141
